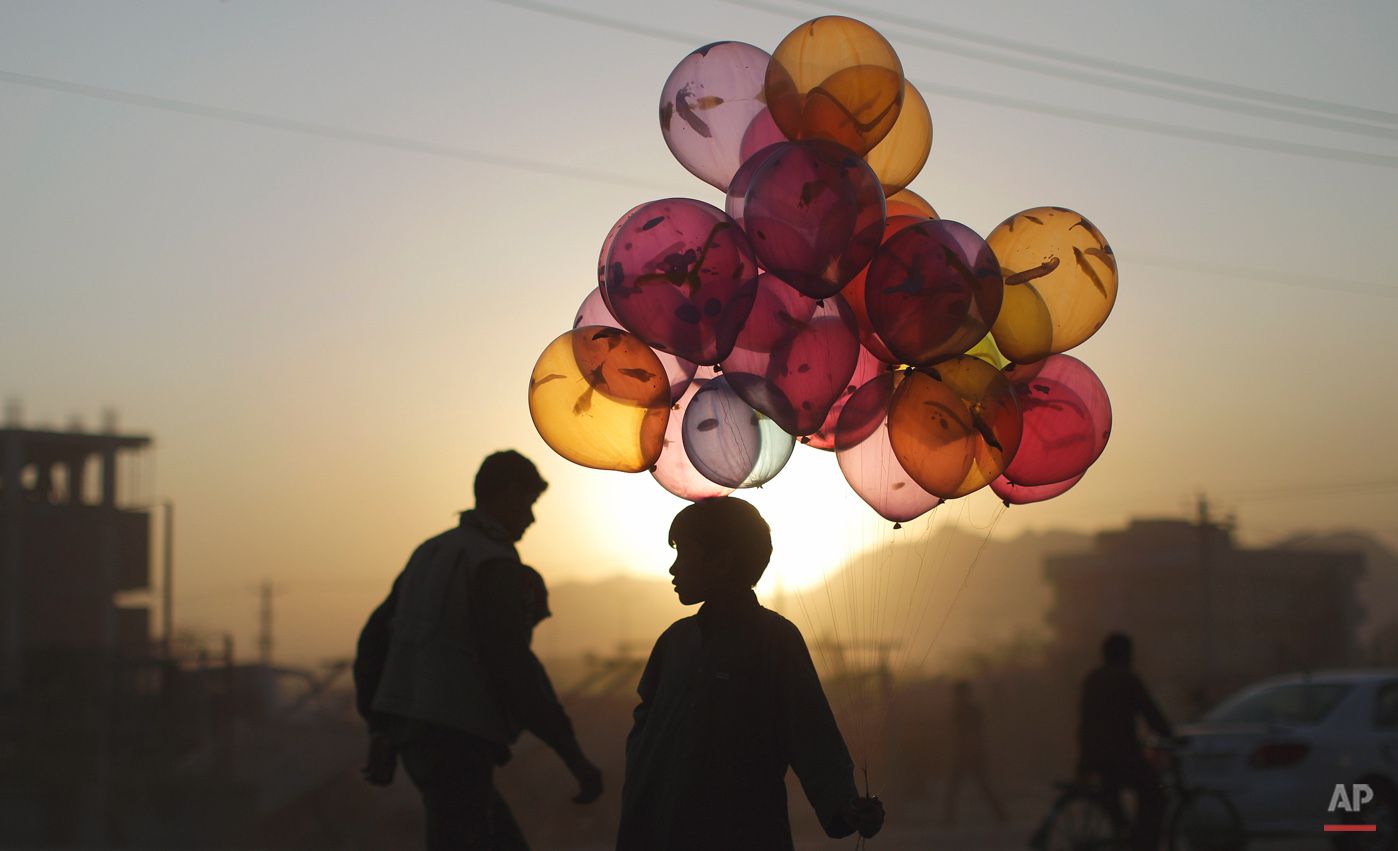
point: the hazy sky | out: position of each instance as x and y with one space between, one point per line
314 249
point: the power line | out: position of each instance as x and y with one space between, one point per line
1124 68
324 130
1088 116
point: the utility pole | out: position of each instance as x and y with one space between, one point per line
264 637
167 614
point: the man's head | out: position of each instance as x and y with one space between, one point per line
722 546
507 485
1116 649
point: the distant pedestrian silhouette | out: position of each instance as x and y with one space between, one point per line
968 755
730 700
1113 698
444 675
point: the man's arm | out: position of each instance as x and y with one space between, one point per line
369 658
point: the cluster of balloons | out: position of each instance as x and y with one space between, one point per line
827 304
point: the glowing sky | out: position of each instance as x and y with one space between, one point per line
327 315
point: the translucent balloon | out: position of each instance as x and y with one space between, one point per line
1067 419
954 427
599 398
835 78
594 311
815 213
731 444
737 196
763 131
866 368
708 104
1014 494
1060 282
987 351
906 202
794 356
674 471
867 459
854 294
681 276
606 247
932 291
903 152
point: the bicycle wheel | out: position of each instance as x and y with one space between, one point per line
1206 821
1080 822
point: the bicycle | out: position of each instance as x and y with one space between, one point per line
1084 818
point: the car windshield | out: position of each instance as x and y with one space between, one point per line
1298 703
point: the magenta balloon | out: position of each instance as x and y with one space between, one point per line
606 247
933 291
594 311
763 131
681 276
795 356
728 442
1067 419
738 189
866 368
674 471
815 213
1014 494
866 457
708 104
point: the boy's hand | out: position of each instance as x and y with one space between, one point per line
864 815
589 779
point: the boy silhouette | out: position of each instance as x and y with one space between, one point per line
730 700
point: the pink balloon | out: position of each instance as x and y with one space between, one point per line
763 131
1014 494
815 213
681 276
866 368
594 311
708 105
866 457
794 357
933 291
674 471
1067 419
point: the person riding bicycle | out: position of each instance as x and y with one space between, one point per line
1113 697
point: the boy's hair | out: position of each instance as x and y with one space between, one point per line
500 470
726 524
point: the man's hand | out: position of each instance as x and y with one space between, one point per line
589 779
864 815
381 762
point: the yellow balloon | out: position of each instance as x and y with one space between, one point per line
835 78
1060 282
599 397
903 152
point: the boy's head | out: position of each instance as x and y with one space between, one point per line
722 546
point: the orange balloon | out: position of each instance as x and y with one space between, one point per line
600 398
956 426
903 152
1060 282
906 202
835 78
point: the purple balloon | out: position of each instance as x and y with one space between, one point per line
728 442
866 457
594 311
709 104
742 179
866 368
681 276
674 471
815 212
794 357
933 291
1014 494
1067 419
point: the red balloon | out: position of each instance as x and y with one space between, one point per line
866 369
867 459
736 198
794 357
815 214
681 275
1014 494
1067 419
933 290
854 293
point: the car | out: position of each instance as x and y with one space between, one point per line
1306 754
